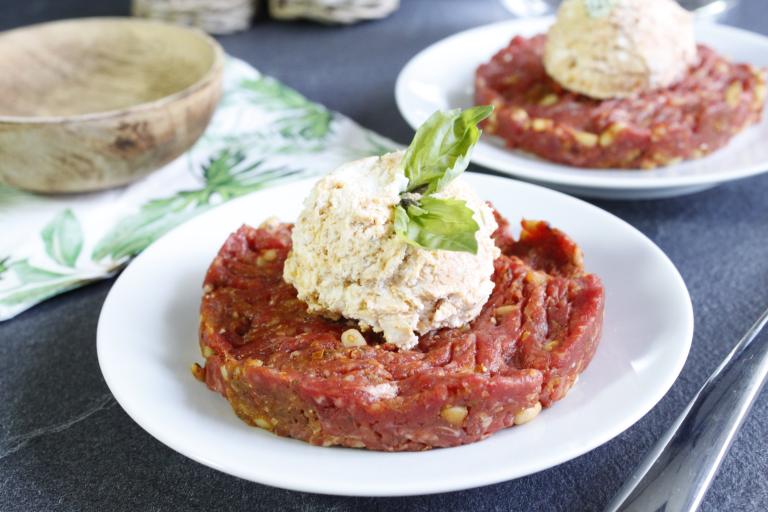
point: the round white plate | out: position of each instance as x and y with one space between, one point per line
147 340
442 77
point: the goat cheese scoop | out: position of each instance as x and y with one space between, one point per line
382 244
619 48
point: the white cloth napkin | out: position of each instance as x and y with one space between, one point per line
262 133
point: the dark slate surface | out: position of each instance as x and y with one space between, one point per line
66 445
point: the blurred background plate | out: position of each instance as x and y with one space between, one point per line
702 8
442 77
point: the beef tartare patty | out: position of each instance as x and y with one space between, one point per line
310 378
714 101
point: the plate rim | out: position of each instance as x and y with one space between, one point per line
376 489
634 180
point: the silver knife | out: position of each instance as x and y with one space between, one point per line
676 473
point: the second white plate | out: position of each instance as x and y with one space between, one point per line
147 340
442 77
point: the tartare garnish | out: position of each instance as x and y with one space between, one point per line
399 243
620 48
438 153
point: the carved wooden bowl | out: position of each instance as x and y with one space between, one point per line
96 103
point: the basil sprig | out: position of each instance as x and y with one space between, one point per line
438 153
438 224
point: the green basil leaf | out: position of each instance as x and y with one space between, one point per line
440 149
415 211
445 224
401 221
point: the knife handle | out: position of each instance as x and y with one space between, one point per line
676 473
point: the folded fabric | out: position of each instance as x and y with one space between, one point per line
262 133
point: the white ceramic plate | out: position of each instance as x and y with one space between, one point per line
147 340
442 77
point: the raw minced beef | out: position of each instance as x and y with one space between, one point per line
288 371
714 101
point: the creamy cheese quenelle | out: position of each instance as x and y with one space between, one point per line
395 242
619 48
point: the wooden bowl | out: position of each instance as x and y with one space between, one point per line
95 103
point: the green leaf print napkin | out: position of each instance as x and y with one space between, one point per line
262 133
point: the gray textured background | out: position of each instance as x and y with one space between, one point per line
66 445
